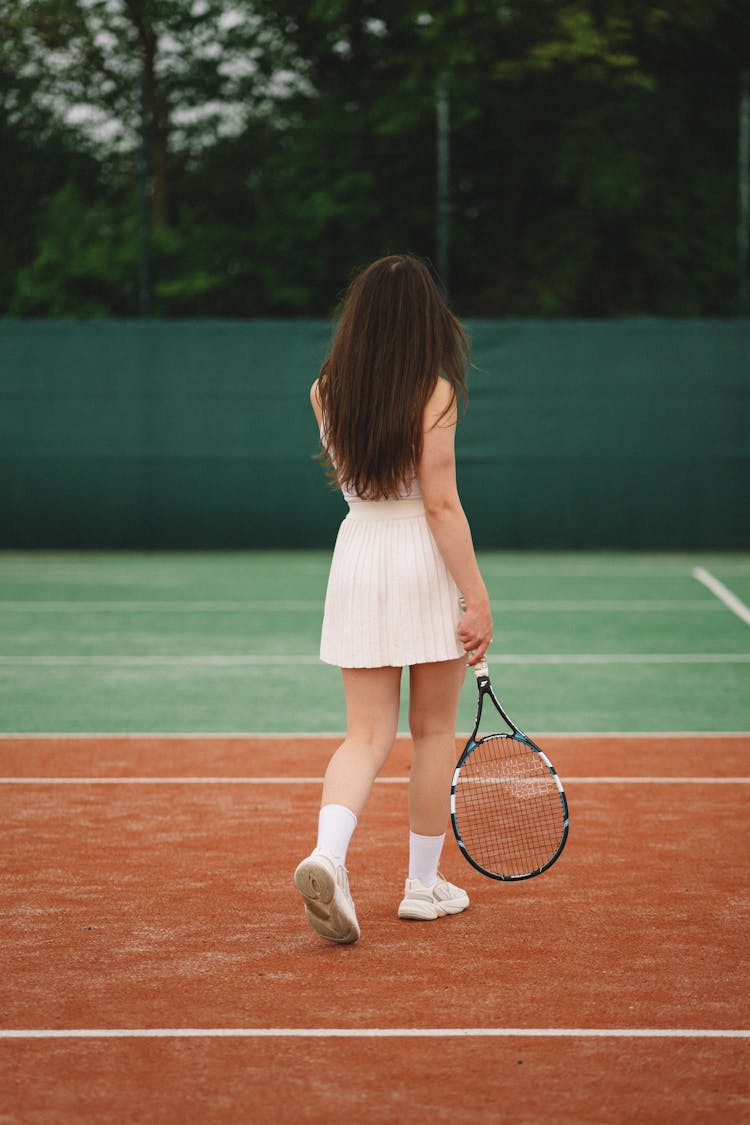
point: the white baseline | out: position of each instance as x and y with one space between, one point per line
723 593
242 660
377 1033
319 780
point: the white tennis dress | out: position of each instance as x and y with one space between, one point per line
390 598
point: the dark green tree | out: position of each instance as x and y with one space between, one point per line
593 151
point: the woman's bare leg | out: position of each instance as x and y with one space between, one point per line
434 692
372 704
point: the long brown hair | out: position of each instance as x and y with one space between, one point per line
394 339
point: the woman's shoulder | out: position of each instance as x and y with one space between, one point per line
315 401
441 404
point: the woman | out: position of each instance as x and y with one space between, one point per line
404 588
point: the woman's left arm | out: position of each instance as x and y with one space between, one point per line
447 520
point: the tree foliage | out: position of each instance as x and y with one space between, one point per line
593 152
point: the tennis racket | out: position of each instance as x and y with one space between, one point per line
508 806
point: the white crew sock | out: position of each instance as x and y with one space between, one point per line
336 823
424 857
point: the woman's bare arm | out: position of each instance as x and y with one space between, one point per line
447 521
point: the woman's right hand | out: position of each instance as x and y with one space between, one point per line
475 630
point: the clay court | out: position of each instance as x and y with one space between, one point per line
166 732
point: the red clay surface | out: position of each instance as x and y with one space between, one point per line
139 906
718 755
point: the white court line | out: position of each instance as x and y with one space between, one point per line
670 569
279 659
302 736
319 780
648 565
730 600
377 1033
533 606
196 661
83 606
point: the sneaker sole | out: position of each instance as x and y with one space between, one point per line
328 915
415 910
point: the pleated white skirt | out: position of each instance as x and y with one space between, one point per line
390 598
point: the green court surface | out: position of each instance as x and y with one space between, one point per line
227 642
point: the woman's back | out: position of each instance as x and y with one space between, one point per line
395 339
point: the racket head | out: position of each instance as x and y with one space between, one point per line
508 807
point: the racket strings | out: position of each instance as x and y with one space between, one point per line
509 807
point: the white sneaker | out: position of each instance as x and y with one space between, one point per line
422 904
324 885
